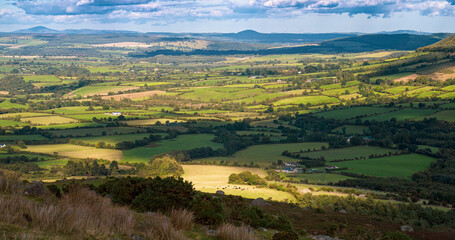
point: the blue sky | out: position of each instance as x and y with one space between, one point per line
296 16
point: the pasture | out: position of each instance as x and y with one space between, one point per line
48 120
264 155
394 166
82 132
181 142
41 78
7 104
352 130
114 139
313 100
210 178
208 94
353 112
52 163
349 153
11 123
316 178
22 137
393 76
148 122
98 90
76 151
401 115
447 115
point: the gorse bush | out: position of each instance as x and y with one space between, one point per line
151 194
207 210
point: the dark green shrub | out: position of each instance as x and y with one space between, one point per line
54 189
151 194
207 210
285 236
281 223
395 236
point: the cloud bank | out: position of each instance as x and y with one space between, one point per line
171 11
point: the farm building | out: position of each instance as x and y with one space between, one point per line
329 167
2 145
116 113
292 164
292 170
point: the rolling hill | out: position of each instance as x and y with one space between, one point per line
445 45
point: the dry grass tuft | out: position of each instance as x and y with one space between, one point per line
230 232
160 227
182 219
82 214
7 182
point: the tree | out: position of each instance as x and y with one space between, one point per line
356 140
100 145
95 169
269 109
166 166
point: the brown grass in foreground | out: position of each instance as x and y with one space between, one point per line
182 219
82 214
231 232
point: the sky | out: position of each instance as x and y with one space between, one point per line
292 16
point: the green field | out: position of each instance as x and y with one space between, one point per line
317 178
393 76
402 115
400 89
52 163
207 94
263 155
448 115
82 132
349 153
353 112
313 100
71 126
394 166
182 142
114 139
22 137
352 130
98 90
41 78
433 149
9 105
23 114
11 123
49 120
40 158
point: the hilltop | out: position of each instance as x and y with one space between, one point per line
445 45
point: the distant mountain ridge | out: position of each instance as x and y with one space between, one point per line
353 44
45 30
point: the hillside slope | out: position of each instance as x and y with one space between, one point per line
445 45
